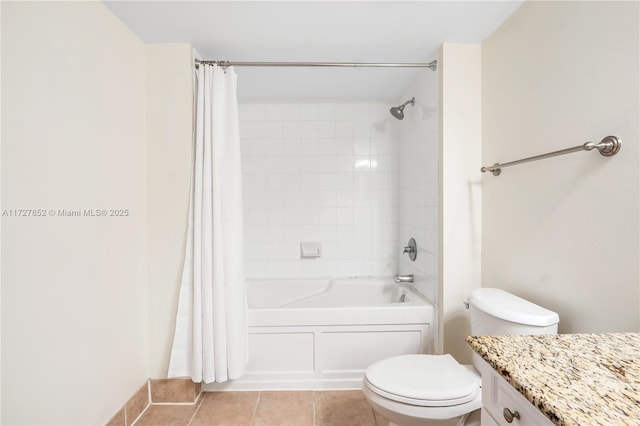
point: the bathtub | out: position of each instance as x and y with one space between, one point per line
324 333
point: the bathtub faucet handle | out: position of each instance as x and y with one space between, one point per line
404 278
411 249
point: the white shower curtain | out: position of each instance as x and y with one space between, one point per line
210 340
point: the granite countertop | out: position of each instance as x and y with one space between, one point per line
574 379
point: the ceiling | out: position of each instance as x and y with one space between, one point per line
331 31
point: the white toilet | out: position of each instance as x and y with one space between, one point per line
435 390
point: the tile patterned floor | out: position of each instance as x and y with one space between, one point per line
283 408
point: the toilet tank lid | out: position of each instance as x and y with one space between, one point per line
506 306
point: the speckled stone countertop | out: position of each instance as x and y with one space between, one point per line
574 379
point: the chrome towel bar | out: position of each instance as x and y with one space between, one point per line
608 146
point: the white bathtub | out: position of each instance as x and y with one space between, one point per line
323 334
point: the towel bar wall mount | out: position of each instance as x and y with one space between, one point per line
607 147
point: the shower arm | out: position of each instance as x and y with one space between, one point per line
410 101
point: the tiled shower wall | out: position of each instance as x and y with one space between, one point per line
322 172
418 186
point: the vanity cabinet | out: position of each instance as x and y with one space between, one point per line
503 404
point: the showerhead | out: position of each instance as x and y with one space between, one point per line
398 112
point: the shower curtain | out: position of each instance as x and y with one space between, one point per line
210 340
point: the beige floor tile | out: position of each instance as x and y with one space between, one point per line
167 415
137 403
226 409
284 409
174 390
343 408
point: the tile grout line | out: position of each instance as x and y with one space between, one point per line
255 409
313 408
145 408
140 415
176 404
201 397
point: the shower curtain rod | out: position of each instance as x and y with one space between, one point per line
431 65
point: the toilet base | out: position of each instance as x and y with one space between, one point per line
472 419
410 415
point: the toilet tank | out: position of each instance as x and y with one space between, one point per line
496 312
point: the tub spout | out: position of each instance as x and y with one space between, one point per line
404 278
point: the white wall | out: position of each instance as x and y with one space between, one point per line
324 172
74 289
169 150
418 175
564 232
460 192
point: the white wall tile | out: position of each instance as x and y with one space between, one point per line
326 164
255 182
273 146
272 112
327 181
274 181
254 129
273 129
344 146
361 163
290 147
361 146
344 181
291 129
346 232
417 142
345 198
252 112
327 129
327 232
344 164
325 198
299 185
274 200
309 112
327 146
367 267
309 233
383 146
326 111
309 129
344 111
290 111
345 216
271 164
327 216
292 181
343 129
362 232
310 181
362 216
361 129
309 146
380 128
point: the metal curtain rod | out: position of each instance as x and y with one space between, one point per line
431 65
608 146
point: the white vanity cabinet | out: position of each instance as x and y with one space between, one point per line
503 404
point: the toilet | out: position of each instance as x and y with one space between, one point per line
435 390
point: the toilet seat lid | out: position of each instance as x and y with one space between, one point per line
435 378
